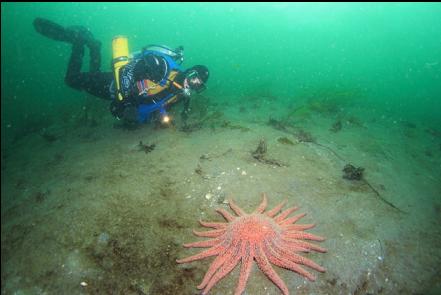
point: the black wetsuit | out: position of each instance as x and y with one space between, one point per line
94 82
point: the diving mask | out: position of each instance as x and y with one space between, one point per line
193 82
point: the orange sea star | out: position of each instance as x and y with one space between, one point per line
260 236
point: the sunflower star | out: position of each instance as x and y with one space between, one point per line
263 237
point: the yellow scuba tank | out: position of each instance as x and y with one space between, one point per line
120 57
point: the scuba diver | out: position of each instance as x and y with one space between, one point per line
142 85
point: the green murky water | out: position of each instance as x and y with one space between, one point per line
364 79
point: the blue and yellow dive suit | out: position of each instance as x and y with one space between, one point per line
148 83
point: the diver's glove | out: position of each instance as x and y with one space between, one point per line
186 91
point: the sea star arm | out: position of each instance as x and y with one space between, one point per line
216 225
262 205
300 235
298 226
203 244
296 243
275 210
268 270
204 254
236 208
245 270
277 260
293 219
209 234
284 214
283 252
225 269
215 265
226 214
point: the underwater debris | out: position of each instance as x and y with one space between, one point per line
285 140
260 151
145 147
260 155
336 127
198 170
205 157
303 136
352 172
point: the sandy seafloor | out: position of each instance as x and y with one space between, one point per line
89 206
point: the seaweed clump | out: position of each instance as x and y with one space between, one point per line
260 155
260 151
303 136
146 147
336 127
352 172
